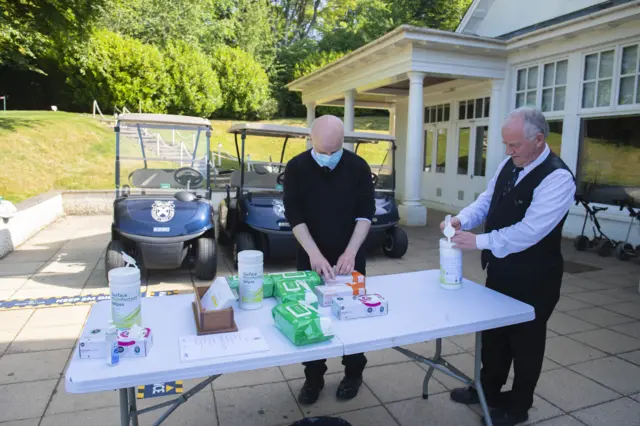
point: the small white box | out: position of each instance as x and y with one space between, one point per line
326 293
93 345
370 305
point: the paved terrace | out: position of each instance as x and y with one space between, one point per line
591 372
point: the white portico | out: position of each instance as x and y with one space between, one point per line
399 72
447 94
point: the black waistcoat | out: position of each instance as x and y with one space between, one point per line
510 209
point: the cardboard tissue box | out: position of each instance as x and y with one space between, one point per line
355 280
370 305
93 344
326 293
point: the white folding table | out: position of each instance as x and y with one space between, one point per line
419 310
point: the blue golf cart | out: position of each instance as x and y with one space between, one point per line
162 213
251 216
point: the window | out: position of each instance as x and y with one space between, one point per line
474 108
464 136
554 86
597 79
555 136
480 157
441 151
428 150
437 113
629 76
526 92
610 153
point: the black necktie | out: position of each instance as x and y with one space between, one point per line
512 181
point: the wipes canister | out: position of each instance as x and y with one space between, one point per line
251 275
450 265
124 284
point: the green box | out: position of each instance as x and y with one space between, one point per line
301 323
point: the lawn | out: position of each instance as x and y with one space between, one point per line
46 150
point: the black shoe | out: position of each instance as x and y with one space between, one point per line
469 396
309 394
502 417
348 388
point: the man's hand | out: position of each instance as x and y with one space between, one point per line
346 263
322 266
455 222
465 240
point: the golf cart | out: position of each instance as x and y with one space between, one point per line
162 215
251 217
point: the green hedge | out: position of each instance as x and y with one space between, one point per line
245 85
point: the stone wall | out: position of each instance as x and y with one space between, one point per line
33 215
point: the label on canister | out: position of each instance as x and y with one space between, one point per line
450 265
251 287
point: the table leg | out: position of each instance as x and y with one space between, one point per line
427 377
478 382
124 408
133 407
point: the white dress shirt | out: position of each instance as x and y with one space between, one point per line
551 201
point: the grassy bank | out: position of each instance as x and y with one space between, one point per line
46 150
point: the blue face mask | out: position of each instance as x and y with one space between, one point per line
324 160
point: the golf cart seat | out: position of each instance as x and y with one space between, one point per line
255 180
154 178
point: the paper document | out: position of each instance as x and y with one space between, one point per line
193 348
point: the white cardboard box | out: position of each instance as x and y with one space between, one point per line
93 344
326 293
370 305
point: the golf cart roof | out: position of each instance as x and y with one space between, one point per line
261 129
163 119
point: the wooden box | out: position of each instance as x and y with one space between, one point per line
211 322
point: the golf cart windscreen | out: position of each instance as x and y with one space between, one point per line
379 155
161 160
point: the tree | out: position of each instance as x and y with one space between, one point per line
119 71
33 29
194 84
244 84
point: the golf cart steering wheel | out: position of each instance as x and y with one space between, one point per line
188 176
280 179
374 178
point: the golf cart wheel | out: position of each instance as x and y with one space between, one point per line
605 248
624 251
113 258
206 258
244 241
581 243
396 242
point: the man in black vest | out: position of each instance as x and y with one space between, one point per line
524 209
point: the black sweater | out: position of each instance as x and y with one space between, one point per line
328 201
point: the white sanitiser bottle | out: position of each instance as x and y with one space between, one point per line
111 339
251 276
124 284
450 259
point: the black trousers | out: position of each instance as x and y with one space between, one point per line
521 344
353 364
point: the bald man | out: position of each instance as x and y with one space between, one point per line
329 203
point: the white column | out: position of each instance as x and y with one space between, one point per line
570 147
311 116
497 112
349 114
392 121
412 211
